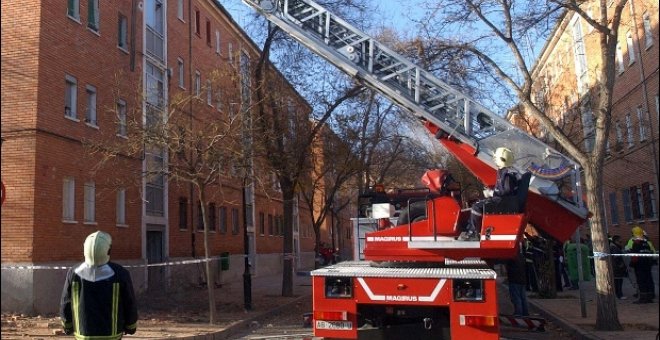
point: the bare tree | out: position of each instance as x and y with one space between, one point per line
510 25
182 141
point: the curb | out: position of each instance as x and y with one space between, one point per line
574 330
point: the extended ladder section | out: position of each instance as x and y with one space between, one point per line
467 129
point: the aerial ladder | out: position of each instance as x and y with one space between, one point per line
418 276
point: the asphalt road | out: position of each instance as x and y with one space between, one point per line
289 325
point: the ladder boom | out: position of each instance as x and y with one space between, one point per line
461 119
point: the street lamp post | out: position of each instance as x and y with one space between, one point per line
247 278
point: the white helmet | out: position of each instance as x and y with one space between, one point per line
503 157
96 248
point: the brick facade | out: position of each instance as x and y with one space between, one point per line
632 161
43 146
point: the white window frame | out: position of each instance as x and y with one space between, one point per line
179 10
89 211
629 131
217 42
181 72
648 32
69 199
640 203
642 127
209 93
121 207
619 133
579 52
75 6
198 83
122 32
90 111
619 59
95 23
631 48
71 97
121 118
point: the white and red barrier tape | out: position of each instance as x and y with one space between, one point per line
522 321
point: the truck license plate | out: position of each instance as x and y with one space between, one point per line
348 325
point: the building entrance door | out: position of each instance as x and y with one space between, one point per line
155 254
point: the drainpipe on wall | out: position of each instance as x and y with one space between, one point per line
190 106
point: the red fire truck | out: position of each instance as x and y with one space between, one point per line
414 279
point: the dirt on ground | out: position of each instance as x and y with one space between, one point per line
171 314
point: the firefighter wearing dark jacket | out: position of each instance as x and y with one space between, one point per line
98 301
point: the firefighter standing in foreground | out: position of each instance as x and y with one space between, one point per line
98 301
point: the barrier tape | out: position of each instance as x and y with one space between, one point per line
160 264
599 255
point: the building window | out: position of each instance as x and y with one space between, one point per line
209 93
642 126
245 79
218 98
648 32
155 32
614 211
155 187
155 85
122 32
90 202
183 213
588 127
234 221
627 210
619 136
208 32
200 217
71 97
619 59
631 48
68 199
212 218
198 84
271 225
73 9
230 52
93 14
181 73
121 206
90 113
179 10
223 220
121 118
636 203
217 42
197 23
648 193
580 57
262 223
629 131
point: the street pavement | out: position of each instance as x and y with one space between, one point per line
639 320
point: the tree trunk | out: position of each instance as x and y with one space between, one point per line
287 246
546 270
210 278
607 318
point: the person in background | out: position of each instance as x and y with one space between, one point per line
642 265
506 184
517 280
619 267
98 301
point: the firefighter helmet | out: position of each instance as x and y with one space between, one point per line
503 158
97 248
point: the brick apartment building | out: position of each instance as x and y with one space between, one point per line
78 76
563 74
